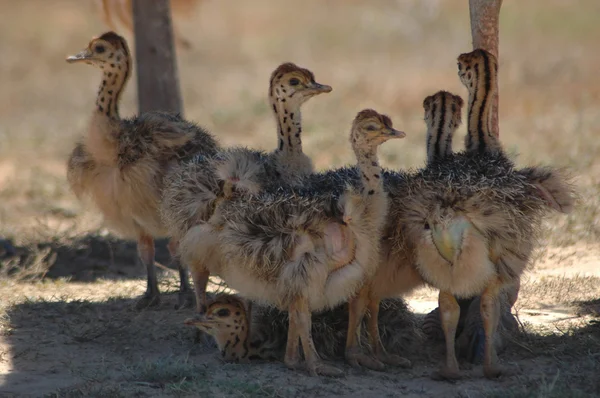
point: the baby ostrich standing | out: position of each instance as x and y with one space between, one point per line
290 86
290 248
194 188
121 163
477 238
396 274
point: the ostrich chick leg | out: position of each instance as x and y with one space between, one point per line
292 359
356 312
449 314
145 246
375 339
300 315
490 315
186 296
200 276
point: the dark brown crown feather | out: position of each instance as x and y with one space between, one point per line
370 113
288 67
112 38
431 98
476 55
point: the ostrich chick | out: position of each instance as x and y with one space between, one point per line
195 188
291 249
290 86
244 332
396 274
121 163
476 217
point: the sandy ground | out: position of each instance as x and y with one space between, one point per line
83 337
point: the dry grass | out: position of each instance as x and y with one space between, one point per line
62 330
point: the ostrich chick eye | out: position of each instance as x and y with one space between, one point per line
426 226
99 49
294 82
223 312
371 127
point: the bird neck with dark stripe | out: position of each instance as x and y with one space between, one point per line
439 131
368 164
480 135
289 124
115 77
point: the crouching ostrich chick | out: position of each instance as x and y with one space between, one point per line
476 217
243 332
121 163
303 249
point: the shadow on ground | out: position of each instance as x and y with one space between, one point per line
83 258
108 349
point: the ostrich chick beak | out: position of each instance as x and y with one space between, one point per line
317 88
199 321
448 240
80 56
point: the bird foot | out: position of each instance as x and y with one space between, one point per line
446 373
394 360
292 363
495 372
185 299
148 300
321 368
357 360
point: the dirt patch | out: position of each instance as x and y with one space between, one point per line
72 338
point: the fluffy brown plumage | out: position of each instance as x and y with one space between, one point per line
503 207
121 163
290 86
244 332
475 219
195 187
299 249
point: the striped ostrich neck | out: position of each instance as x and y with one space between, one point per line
115 77
233 344
368 164
440 129
289 124
480 137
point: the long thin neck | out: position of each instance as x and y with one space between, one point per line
234 344
368 165
440 131
289 125
114 79
480 137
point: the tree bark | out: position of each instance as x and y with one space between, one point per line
156 63
485 19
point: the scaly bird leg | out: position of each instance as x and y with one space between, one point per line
292 358
490 315
449 315
186 296
375 339
145 246
200 276
301 316
357 306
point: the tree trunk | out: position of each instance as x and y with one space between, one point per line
156 63
485 19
